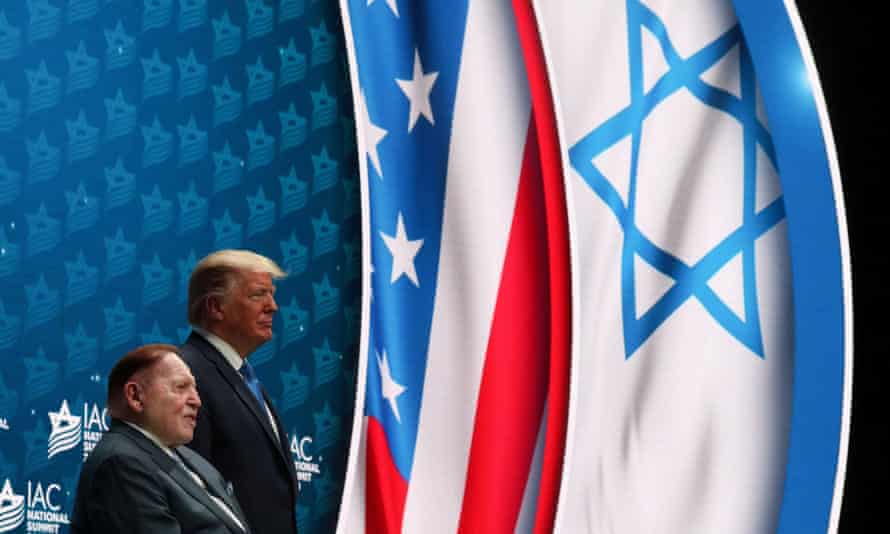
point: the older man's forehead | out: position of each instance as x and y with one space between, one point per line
182 368
170 363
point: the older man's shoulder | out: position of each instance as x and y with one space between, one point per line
113 447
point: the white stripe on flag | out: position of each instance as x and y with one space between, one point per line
352 503
352 506
491 121
525 523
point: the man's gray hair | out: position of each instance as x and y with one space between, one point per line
216 274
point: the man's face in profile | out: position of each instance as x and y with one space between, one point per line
247 312
170 401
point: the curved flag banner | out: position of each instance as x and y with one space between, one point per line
823 307
710 272
465 339
683 354
686 234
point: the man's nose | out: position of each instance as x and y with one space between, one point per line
195 399
272 306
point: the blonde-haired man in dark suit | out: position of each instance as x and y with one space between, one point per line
231 306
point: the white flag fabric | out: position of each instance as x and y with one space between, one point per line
682 355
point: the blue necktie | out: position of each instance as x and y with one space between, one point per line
253 383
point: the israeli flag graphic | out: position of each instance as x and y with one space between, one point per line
684 324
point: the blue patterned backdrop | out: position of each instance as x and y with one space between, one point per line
135 138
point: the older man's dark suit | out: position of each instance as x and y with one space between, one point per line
128 484
235 436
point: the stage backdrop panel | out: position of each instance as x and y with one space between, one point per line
135 138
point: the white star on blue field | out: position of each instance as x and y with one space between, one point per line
689 280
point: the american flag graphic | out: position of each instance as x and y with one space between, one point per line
469 273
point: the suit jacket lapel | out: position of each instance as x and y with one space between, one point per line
237 382
283 445
184 479
214 488
177 473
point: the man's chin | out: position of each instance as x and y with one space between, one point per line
266 335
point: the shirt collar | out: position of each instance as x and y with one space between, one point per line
154 439
229 353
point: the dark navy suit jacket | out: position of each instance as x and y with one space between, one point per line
234 434
128 484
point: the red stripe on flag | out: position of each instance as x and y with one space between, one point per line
386 489
558 256
513 388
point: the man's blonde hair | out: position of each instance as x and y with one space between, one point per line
216 275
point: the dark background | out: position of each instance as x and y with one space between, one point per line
844 39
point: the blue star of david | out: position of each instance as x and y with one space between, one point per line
689 280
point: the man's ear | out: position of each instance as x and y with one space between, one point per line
214 308
134 397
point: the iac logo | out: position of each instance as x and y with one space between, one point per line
65 434
12 508
301 448
39 506
298 446
69 430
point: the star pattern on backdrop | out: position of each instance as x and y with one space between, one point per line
189 83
